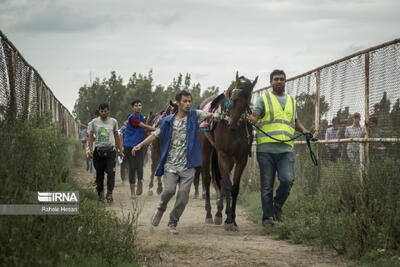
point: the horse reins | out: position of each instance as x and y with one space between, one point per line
309 138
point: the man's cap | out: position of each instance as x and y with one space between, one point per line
357 115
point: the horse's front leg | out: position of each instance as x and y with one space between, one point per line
240 165
225 166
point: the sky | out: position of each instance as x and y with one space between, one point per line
71 42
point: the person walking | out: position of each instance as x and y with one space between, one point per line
124 165
134 134
275 114
180 155
354 131
106 130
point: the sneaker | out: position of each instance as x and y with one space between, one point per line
172 229
269 221
196 195
133 196
139 189
277 212
156 218
109 198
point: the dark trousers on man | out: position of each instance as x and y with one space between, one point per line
270 163
135 164
104 165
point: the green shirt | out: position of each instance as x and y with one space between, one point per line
276 148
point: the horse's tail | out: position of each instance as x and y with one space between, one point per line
215 169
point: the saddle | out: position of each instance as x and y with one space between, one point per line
209 125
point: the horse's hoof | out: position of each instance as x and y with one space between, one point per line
150 193
196 195
235 228
218 220
229 227
209 221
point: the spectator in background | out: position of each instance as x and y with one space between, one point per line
124 165
354 131
333 149
375 132
323 126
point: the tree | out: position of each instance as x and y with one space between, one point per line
306 108
382 113
343 115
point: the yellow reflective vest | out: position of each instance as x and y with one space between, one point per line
277 122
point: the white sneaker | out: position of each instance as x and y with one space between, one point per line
172 229
156 218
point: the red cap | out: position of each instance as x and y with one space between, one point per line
357 115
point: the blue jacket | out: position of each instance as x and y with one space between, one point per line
193 147
133 136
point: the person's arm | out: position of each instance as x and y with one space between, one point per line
145 142
147 127
90 154
118 143
254 117
300 128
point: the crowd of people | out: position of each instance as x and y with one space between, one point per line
350 128
274 112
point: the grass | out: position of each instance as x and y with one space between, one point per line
356 216
37 158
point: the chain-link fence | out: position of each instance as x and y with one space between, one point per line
353 107
23 93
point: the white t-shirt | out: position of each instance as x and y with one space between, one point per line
104 131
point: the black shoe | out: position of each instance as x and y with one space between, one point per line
277 212
109 198
269 221
101 197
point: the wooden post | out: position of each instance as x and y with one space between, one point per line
364 151
316 121
12 104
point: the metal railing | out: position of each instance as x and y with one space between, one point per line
23 92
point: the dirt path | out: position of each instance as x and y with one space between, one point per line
201 244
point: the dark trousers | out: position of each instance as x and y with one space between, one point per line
270 163
124 168
104 165
135 164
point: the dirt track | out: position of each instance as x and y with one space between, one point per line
201 244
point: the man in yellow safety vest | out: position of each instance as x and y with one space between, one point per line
275 114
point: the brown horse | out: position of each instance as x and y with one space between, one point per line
228 145
156 148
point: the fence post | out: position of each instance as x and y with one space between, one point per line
316 121
27 95
364 147
12 104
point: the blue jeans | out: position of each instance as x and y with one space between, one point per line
270 163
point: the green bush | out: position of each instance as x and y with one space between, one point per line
37 158
340 209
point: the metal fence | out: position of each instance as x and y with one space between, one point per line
23 93
367 82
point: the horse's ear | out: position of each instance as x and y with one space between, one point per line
237 76
255 81
170 103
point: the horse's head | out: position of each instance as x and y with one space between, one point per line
239 95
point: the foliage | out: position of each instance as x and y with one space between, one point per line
37 158
357 216
305 108
119 96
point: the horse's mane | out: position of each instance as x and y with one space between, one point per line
206 101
